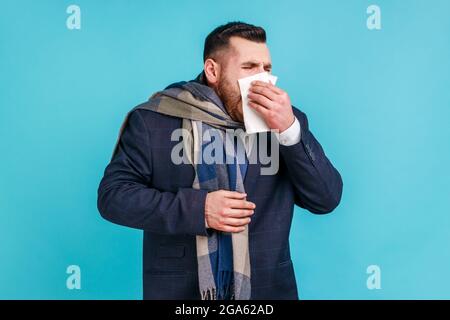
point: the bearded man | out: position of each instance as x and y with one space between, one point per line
217 230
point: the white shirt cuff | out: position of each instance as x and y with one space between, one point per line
291 135
206 224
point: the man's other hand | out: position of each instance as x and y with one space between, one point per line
228 211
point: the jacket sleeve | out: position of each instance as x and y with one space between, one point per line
317 184
126 196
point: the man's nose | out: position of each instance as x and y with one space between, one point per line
261 68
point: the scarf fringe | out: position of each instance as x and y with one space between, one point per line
209 294
212 293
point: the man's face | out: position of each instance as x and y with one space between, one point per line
241 59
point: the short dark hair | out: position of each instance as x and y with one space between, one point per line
220 36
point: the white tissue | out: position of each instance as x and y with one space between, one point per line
252 119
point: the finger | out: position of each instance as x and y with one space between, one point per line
232 229
258 107
275 88
235 222
239 213
261 99
265 91
240 204
268 85
233 194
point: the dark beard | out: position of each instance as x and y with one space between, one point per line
231 98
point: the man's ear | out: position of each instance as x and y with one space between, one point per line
212 71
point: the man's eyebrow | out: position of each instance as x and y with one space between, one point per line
254 63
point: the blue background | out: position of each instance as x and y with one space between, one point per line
378 101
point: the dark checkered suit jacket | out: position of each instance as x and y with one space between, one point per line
143 189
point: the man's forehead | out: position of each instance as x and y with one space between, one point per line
245 50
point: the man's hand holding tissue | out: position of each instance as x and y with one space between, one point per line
272 103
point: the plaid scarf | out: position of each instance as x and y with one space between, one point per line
223 258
